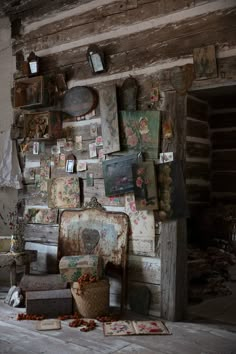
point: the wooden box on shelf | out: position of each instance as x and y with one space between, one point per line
33 92
43 125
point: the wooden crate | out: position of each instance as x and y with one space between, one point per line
50 303
43 125
33 92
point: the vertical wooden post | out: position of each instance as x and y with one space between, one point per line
173 233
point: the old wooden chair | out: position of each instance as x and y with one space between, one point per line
93 230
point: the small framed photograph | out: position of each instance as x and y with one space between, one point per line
70 164
36 148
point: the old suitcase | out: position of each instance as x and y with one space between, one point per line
72 267
50 303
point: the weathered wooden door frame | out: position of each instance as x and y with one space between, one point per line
173 233
173 248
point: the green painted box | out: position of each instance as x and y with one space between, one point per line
72 267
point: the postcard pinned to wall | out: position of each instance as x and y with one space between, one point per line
81 166
92 150
78 143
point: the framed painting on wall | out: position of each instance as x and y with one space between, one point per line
64 192
204 60
145 186
139 131
117 173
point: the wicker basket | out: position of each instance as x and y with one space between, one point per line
93 299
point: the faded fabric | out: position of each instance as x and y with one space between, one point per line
10 172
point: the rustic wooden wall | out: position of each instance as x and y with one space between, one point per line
142 38
198 153
223 134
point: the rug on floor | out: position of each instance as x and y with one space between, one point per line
124 328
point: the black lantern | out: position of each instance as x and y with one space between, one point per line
95 58
33 62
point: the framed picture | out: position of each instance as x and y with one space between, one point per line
139 131
70 164
118 176
204 60
145 186
36 148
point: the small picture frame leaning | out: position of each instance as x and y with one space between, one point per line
70 165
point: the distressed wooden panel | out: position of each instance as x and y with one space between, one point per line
223 140
198 193
224 120
173 269
197 109
144 269
144 247
224 182
45 234
197 149
197 170
109 116
179 41
46 258
197 129
223 160
154 290
83 127
98 191
224 198
99 20
32 196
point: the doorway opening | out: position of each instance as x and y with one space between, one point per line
211 192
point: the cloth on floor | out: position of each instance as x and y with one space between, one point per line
10 172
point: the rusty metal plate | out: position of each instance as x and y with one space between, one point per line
79 101
94 231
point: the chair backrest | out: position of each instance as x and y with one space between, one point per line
93 230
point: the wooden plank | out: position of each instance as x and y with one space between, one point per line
46 234
198 193
223 120
224 182
197 129
98 191
173 270
197 170
46 258
109 116
100 20
197 150
143 247
197 109
223 140
224 160
32 196
224 198
172 42
144 269
173 233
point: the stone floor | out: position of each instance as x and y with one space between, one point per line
21 337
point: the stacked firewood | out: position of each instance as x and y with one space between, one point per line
208 272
